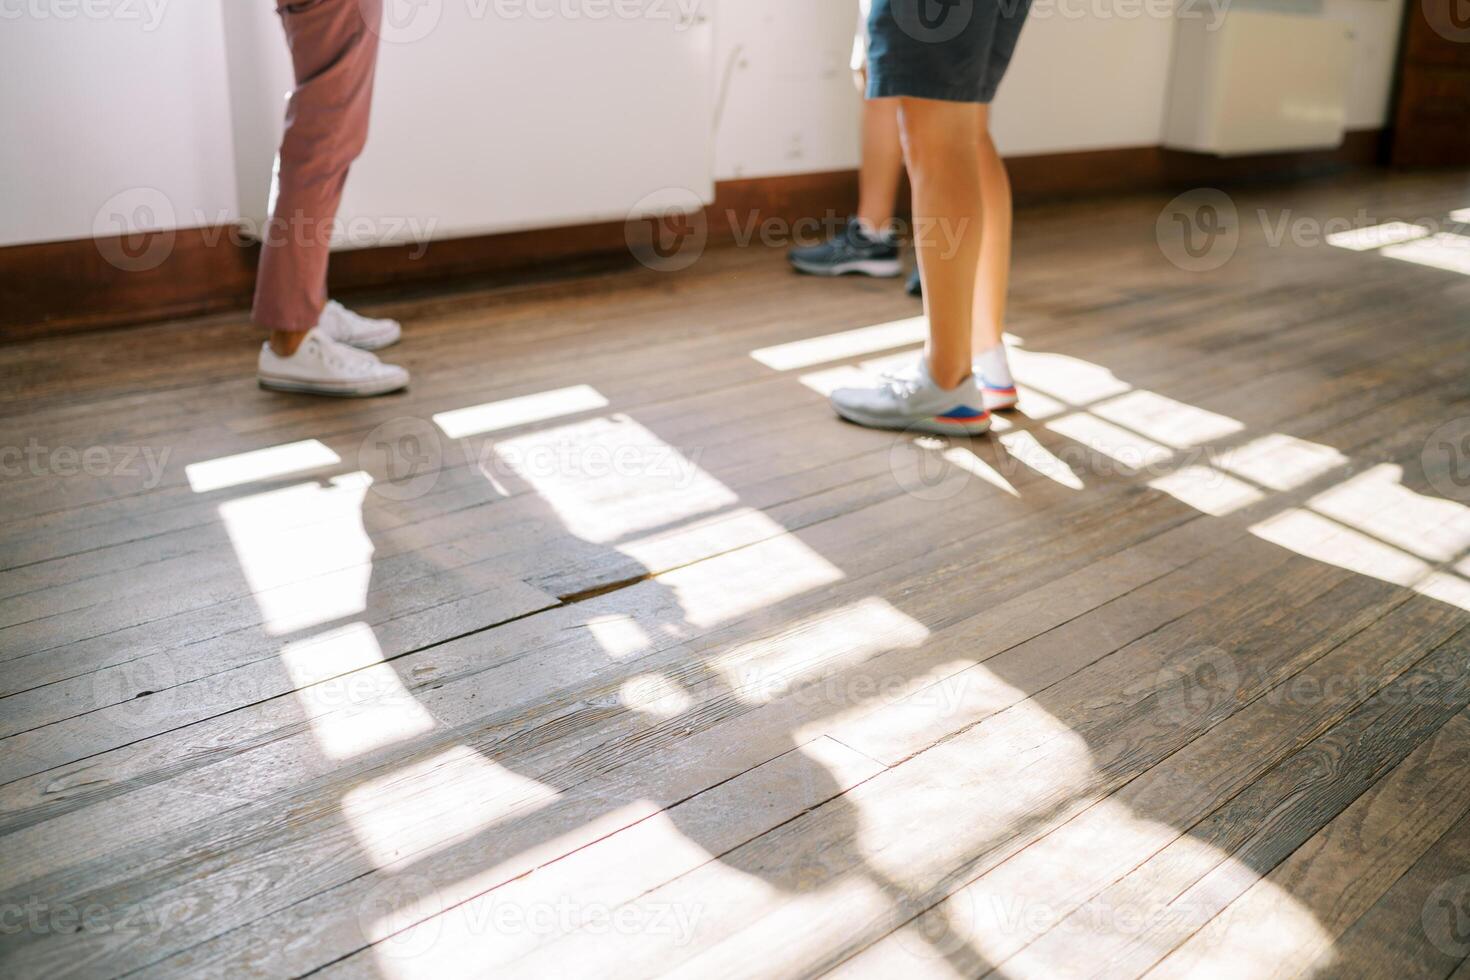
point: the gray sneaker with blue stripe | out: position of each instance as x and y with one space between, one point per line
914 402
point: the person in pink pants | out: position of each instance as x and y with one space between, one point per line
316 345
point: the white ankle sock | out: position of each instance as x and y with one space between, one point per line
874 234
994 368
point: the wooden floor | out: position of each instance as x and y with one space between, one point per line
607 651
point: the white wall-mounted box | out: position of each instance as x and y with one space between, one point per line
1259 82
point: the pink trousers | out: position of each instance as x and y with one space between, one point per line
334 51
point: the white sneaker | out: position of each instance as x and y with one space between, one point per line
356 330
322 366
913 401
995 398
998 399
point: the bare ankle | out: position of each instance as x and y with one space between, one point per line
949 378
285 342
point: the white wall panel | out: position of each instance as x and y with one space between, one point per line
787 100
114 117
130 119
492 116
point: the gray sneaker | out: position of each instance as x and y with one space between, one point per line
913 402
850 252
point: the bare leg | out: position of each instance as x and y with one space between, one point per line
995 250
882 165
941 142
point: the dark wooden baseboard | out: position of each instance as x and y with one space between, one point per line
85 284
1139 168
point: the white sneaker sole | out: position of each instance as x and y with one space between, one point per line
931 424
877 268
334 389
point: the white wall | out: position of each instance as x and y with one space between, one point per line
1083 83
1376 23
786 100
489 119
1087 74
94 107
113 118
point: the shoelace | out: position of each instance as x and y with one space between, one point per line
352 323
902 385
912 371
338 355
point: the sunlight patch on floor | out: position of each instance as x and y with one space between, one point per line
1325 540
827 380
655 695
619 635
259 465
525 410
911 708
1131 451
964 458
1030 915
609 478
433 932
303 551
1377 502
613 482
1376 236
354 701
1453 590
1281 462
1070 379
1166 421
806 659
1037 405
1208 490
843 345
1446 250
432 803
751 578
1024 448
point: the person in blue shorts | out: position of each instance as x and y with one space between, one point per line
941 61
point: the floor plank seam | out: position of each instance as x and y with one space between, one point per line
243 707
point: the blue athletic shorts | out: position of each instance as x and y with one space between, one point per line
952 50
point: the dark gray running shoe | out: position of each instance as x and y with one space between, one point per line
849 252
